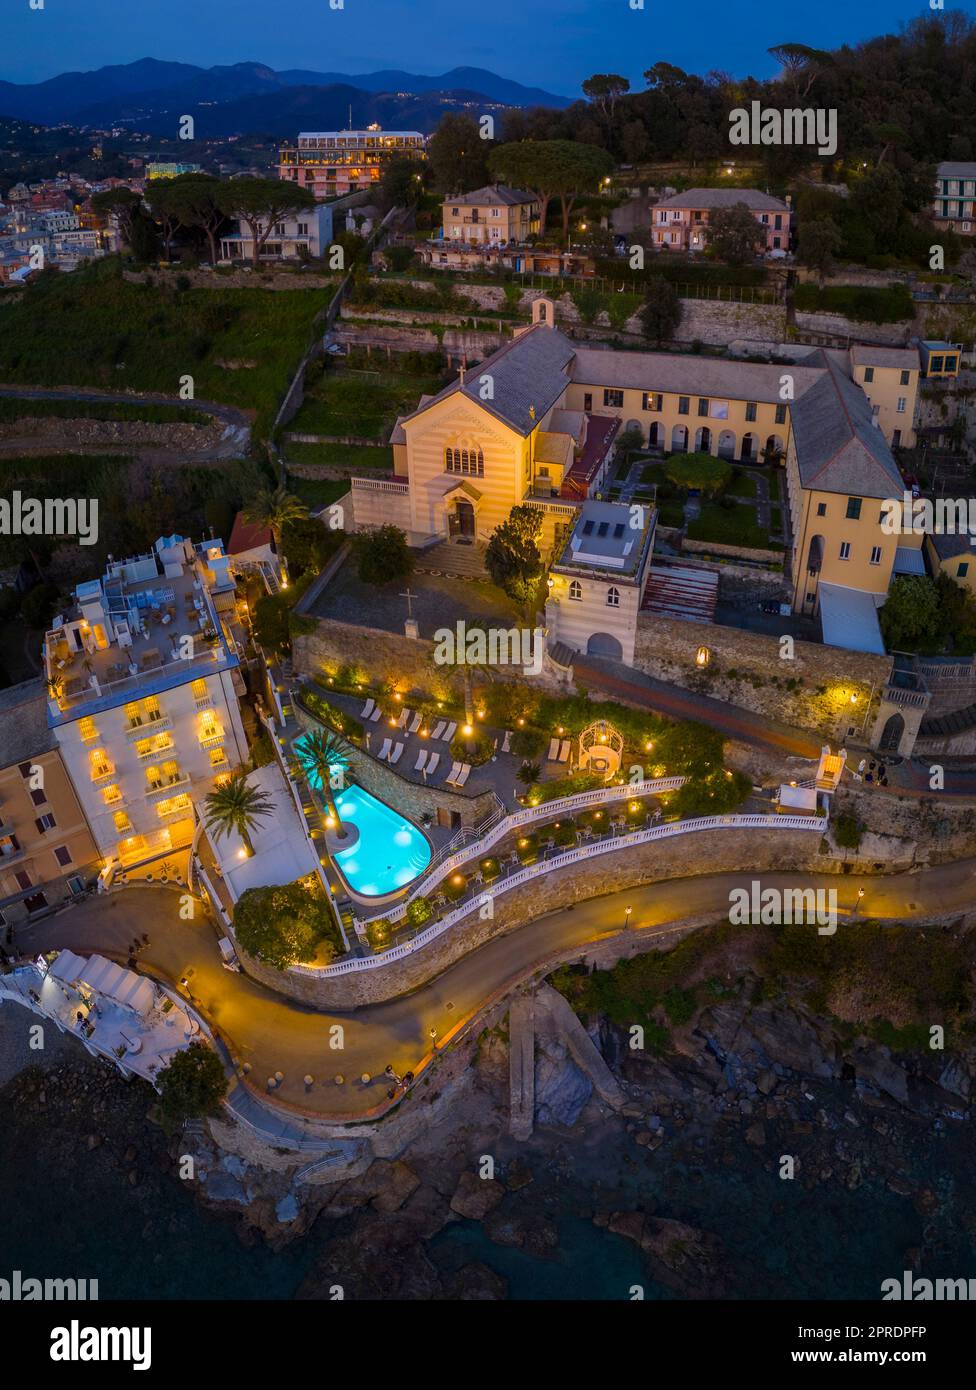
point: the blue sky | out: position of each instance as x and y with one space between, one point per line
548 43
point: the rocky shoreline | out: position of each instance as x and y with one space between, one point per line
683 1182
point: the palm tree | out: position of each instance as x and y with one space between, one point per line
274 509
318 754
237 806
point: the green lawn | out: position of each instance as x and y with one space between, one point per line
93 328
743 486
317 492
341 401
729 526
773 486
353 456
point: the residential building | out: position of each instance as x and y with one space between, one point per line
889 378
144 695
535 423
493 214
953 554
955 197
295 236
46 848
598 579
680 223
331 163
939 358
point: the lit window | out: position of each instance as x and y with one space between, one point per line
122 823
86 729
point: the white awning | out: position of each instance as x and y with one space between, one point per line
798 798
849 619
909 560
115 982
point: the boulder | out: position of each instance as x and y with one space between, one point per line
475 1197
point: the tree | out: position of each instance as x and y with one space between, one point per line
801 65
576 170
120 203
307 544
260 203
513 558
911 616
237 807
382 555
528 774
275 508
285 924
660 314
402 183
167 207
457 155
733 234
317 755
604 89
818 243
201 203
191 1085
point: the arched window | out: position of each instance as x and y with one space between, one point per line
576 589
449 460
613 597
469 460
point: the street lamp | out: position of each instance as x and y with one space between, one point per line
627 912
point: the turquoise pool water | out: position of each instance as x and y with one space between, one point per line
390 852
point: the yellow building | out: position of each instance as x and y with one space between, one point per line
46 848
536 422
954 555
494 214
889 378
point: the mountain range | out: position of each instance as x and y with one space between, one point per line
151 96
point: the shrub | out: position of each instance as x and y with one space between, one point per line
476 748
192 1085
527 743
285 924
419 911
455 888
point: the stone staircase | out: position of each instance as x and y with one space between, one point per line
455 559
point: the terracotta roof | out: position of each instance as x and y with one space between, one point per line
247 536
725 198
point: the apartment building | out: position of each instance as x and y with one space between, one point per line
331 163
889 378
954 204
494 214
953 554
143 695
293 237
47 852
680 223
939 359
536 422
598 579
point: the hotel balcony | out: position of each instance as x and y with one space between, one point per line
147 725
161 788
209 738
101 772
156 751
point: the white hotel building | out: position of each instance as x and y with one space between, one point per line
143 695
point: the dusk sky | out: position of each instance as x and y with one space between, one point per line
549 43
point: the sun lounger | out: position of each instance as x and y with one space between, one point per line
377 713
403 721
564 751
449 732
421 762
397 753
507 743
384 752
463 775
453 774
415 723
553 750
440 729
367 709
432 765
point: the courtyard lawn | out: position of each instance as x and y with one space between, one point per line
735 525
94 328
743 486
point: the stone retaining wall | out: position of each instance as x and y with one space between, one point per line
734 552
178 436
711 852
828 676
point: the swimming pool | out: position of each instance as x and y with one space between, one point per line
389 853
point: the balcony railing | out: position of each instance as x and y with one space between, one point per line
159 789
210 740
103 770
147 725
157 752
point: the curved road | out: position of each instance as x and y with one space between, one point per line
274 1034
